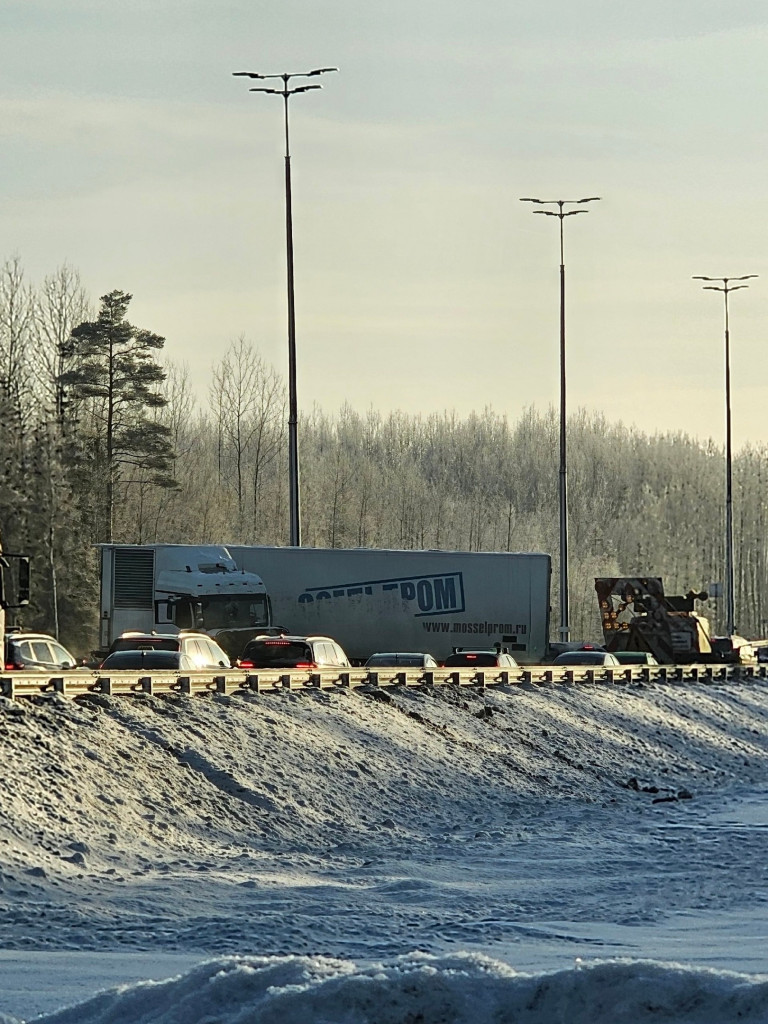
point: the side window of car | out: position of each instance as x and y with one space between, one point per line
217 655
24 651
199 660
341 658
41 652
60 656
320 653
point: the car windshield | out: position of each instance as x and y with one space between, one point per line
226 611
142 659
278 653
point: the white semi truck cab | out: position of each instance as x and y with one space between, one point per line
170 587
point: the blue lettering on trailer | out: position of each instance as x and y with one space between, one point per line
434 594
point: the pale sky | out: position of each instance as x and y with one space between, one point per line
422 283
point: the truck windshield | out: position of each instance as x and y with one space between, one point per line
229 612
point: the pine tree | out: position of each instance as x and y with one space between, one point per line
115 381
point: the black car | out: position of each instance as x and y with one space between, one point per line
589 657
401 659
464 657
150 659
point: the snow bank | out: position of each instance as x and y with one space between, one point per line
462 989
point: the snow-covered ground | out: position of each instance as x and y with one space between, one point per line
519 854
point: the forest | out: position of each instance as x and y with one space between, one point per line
104 440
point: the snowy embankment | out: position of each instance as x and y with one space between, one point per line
362 827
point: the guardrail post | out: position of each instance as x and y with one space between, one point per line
7 682
104 685
480 679
185 684
221 684
344 678
146 684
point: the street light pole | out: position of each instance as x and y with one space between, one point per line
562 213
293 408
726 288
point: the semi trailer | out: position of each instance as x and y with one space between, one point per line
372 600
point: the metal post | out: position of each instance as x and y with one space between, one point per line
293 413
730 577
561 213
293 404
729 570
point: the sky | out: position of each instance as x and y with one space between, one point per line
519 853
422 283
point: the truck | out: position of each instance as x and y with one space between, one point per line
637 615
14 586
169 587
378 600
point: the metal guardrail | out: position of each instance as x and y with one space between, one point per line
131 683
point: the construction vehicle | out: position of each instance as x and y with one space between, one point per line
637 615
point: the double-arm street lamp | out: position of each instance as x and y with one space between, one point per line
293 416
725 285
561 212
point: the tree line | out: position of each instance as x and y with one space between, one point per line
102 441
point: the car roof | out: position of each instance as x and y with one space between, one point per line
288 638
401 654
27 634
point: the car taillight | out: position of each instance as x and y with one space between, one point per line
9 666
305 664
245 664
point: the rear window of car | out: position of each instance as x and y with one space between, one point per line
145 643
472 659
405 660
581 658
277 653
142 659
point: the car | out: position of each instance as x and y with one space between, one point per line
470 657
203 652
150 659
587 657
635 658
401 659
557 647
306 652
35 652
